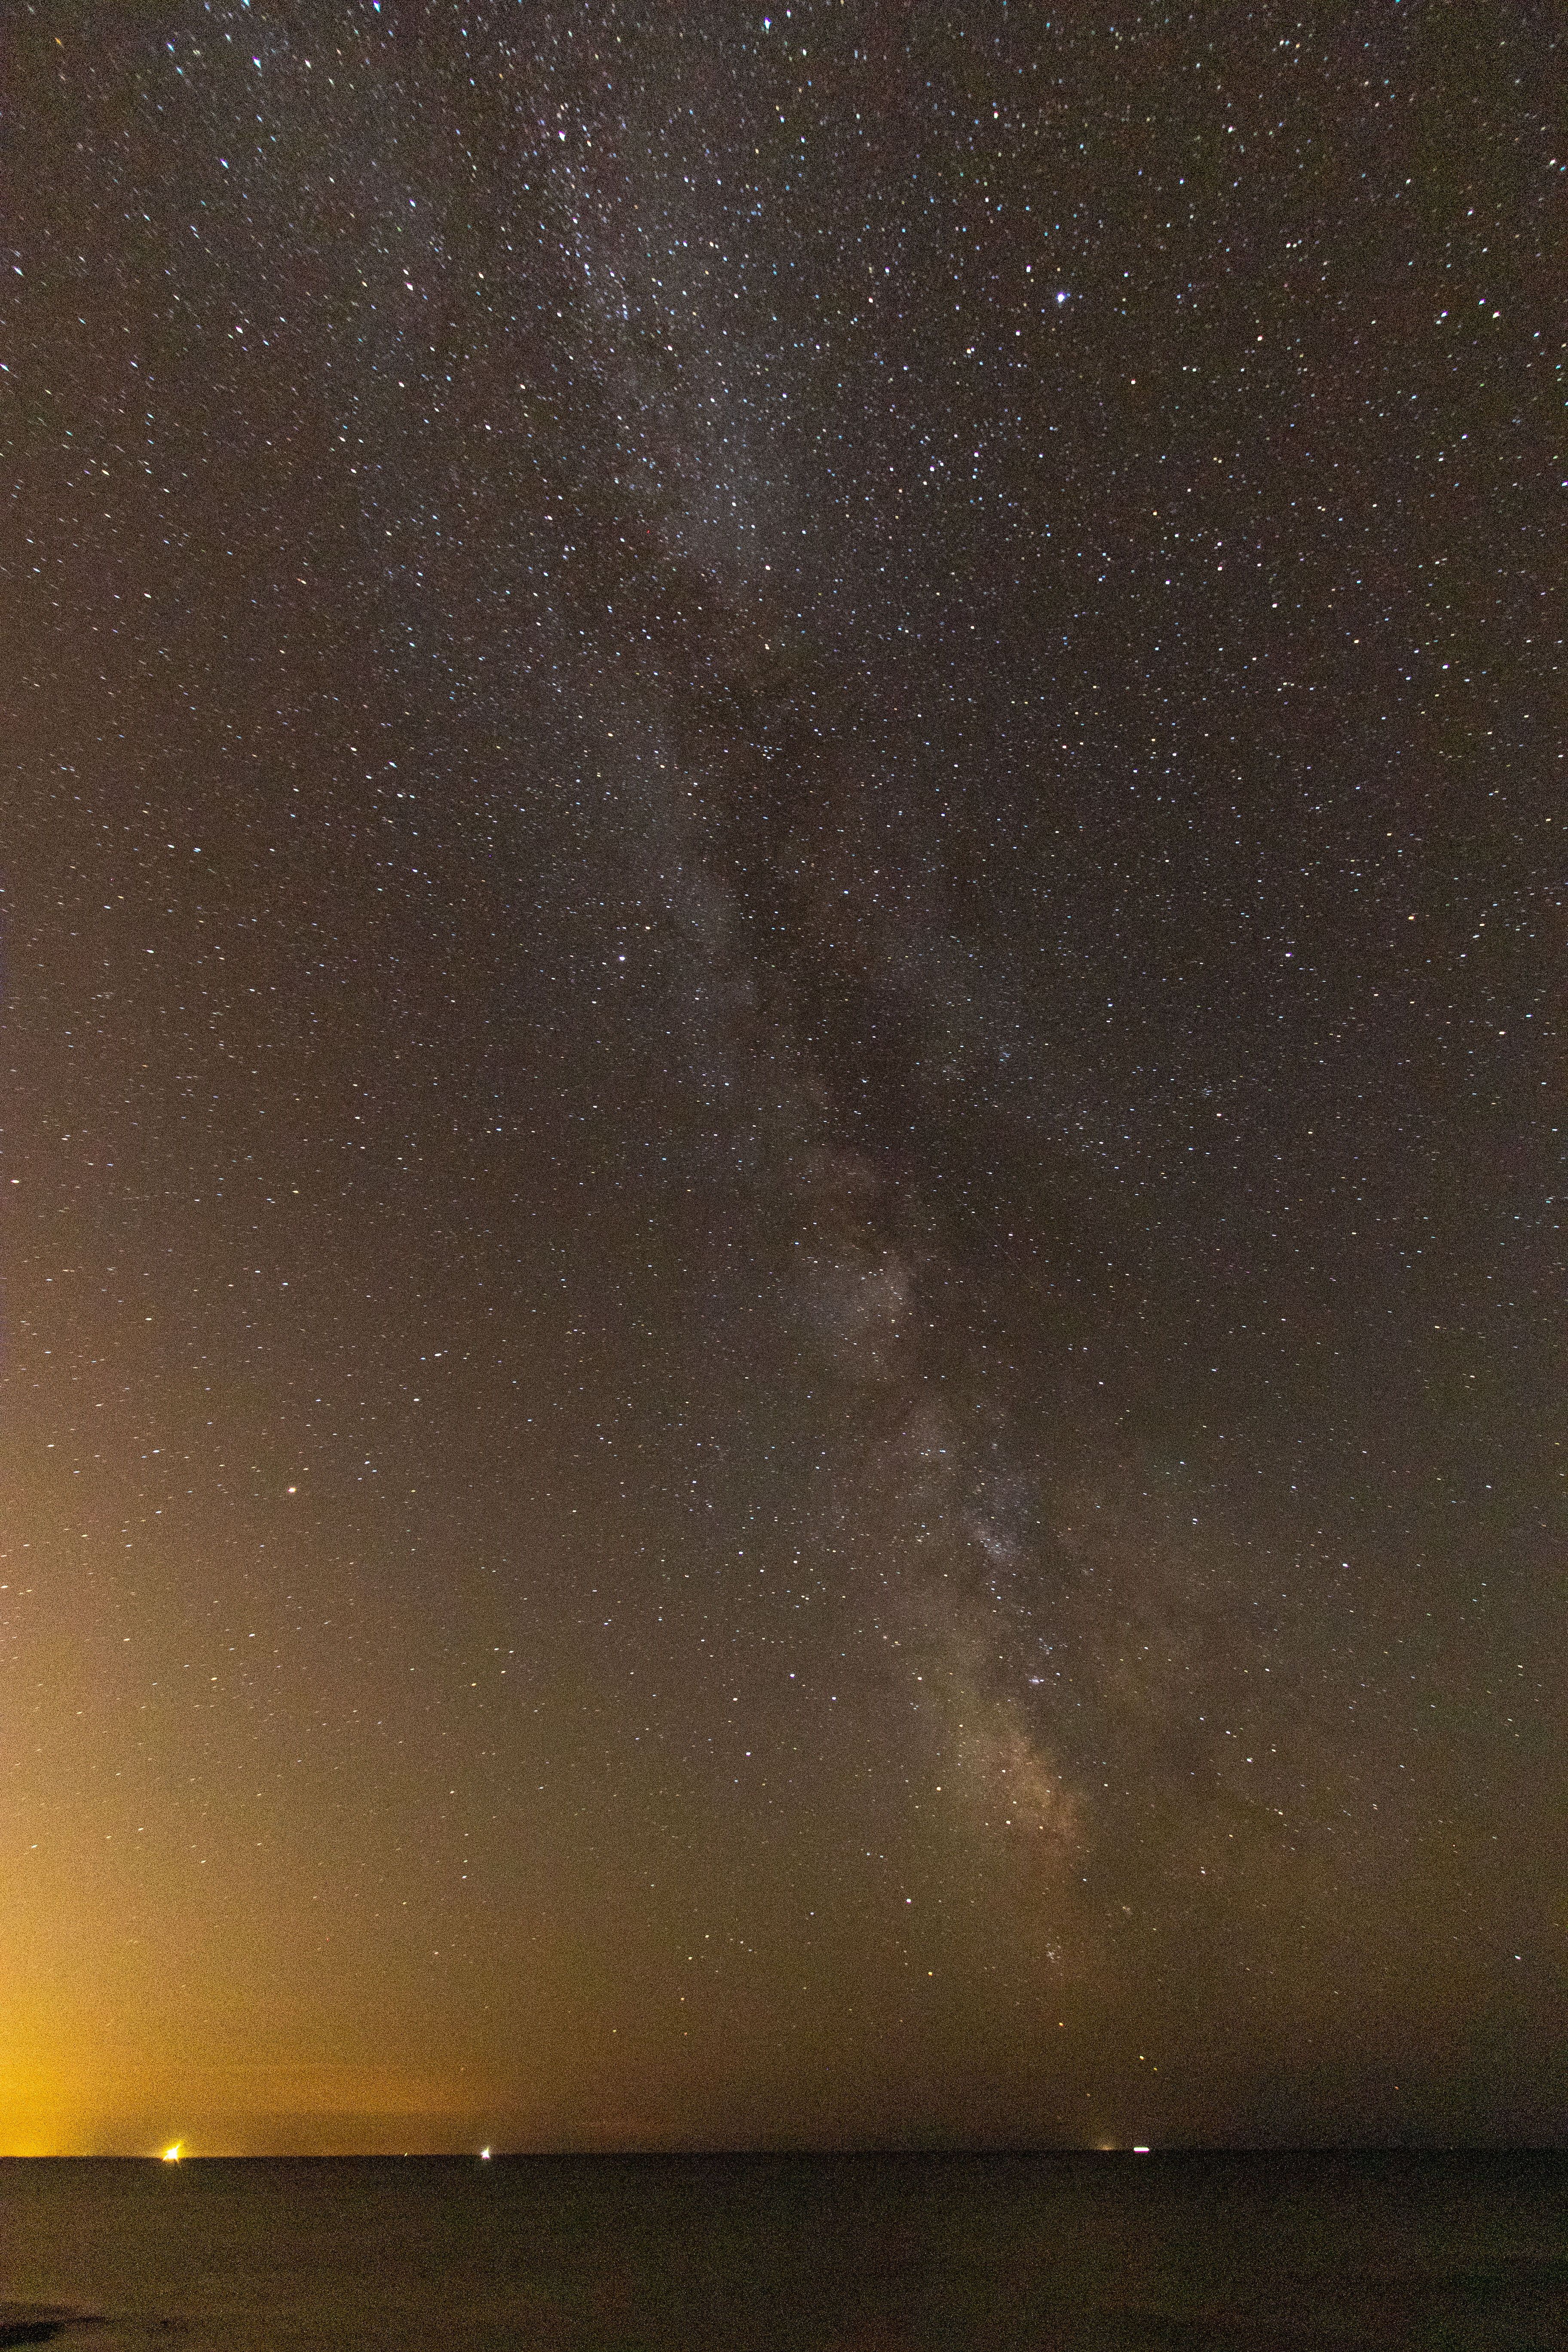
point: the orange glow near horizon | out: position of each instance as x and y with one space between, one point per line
310 2107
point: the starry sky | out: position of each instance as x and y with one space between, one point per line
782 1286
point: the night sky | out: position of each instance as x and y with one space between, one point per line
782 1300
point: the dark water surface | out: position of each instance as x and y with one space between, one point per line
1084 2253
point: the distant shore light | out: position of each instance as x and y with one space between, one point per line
171 2155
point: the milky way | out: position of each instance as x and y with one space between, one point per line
782 927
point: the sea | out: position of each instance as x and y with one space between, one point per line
1431 2252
